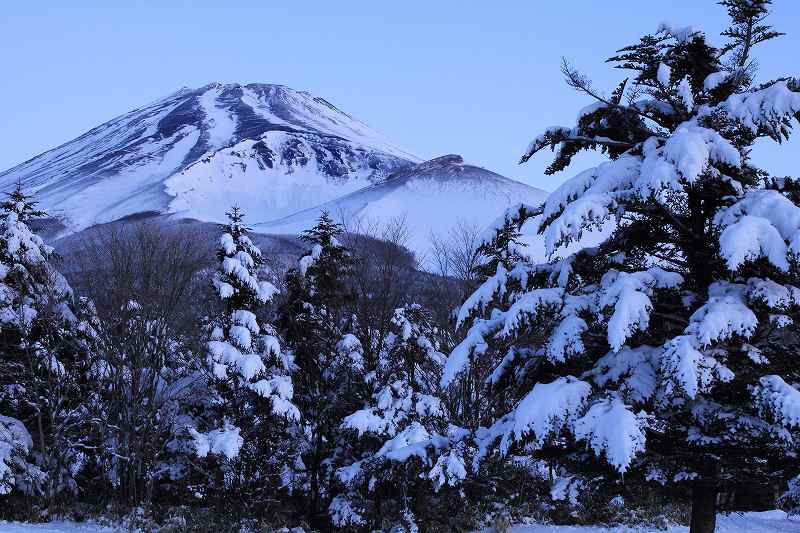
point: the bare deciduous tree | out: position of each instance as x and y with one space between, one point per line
158 267
150 287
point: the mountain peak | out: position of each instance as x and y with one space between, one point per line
196 151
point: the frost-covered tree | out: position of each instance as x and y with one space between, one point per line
666 353
48 344
406 455
317 322
242 434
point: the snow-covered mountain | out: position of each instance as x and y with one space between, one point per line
433 197
280 154
272 149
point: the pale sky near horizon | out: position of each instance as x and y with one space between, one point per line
475 78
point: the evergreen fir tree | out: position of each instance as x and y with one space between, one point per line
49 342
317 322
666 353
503 245
406 456
243 433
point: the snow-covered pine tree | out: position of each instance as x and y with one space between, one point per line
668 351
49 343
242 435
317 324
501 250
402 432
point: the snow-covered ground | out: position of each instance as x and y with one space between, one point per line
51 527
766 522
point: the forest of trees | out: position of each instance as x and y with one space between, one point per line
160 376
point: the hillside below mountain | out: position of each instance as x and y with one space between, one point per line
432 197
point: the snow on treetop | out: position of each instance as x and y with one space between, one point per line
679 33
449 469
225 441
715 79
246 318
474 343
21 243
633 370
343 514
543 412
349 343
688 152
628 295
724 314
548 407
480 298
772 294
528 304
663 74
412 441
508 216
309 259
15 442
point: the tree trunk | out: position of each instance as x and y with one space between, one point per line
704 509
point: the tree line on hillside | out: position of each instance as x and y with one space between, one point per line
653 376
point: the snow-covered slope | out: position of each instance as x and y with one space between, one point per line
274 176
433 196
272 149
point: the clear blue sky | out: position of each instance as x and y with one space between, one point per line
437 76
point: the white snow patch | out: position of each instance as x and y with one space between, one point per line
221 124
232 176
755 522
53 527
